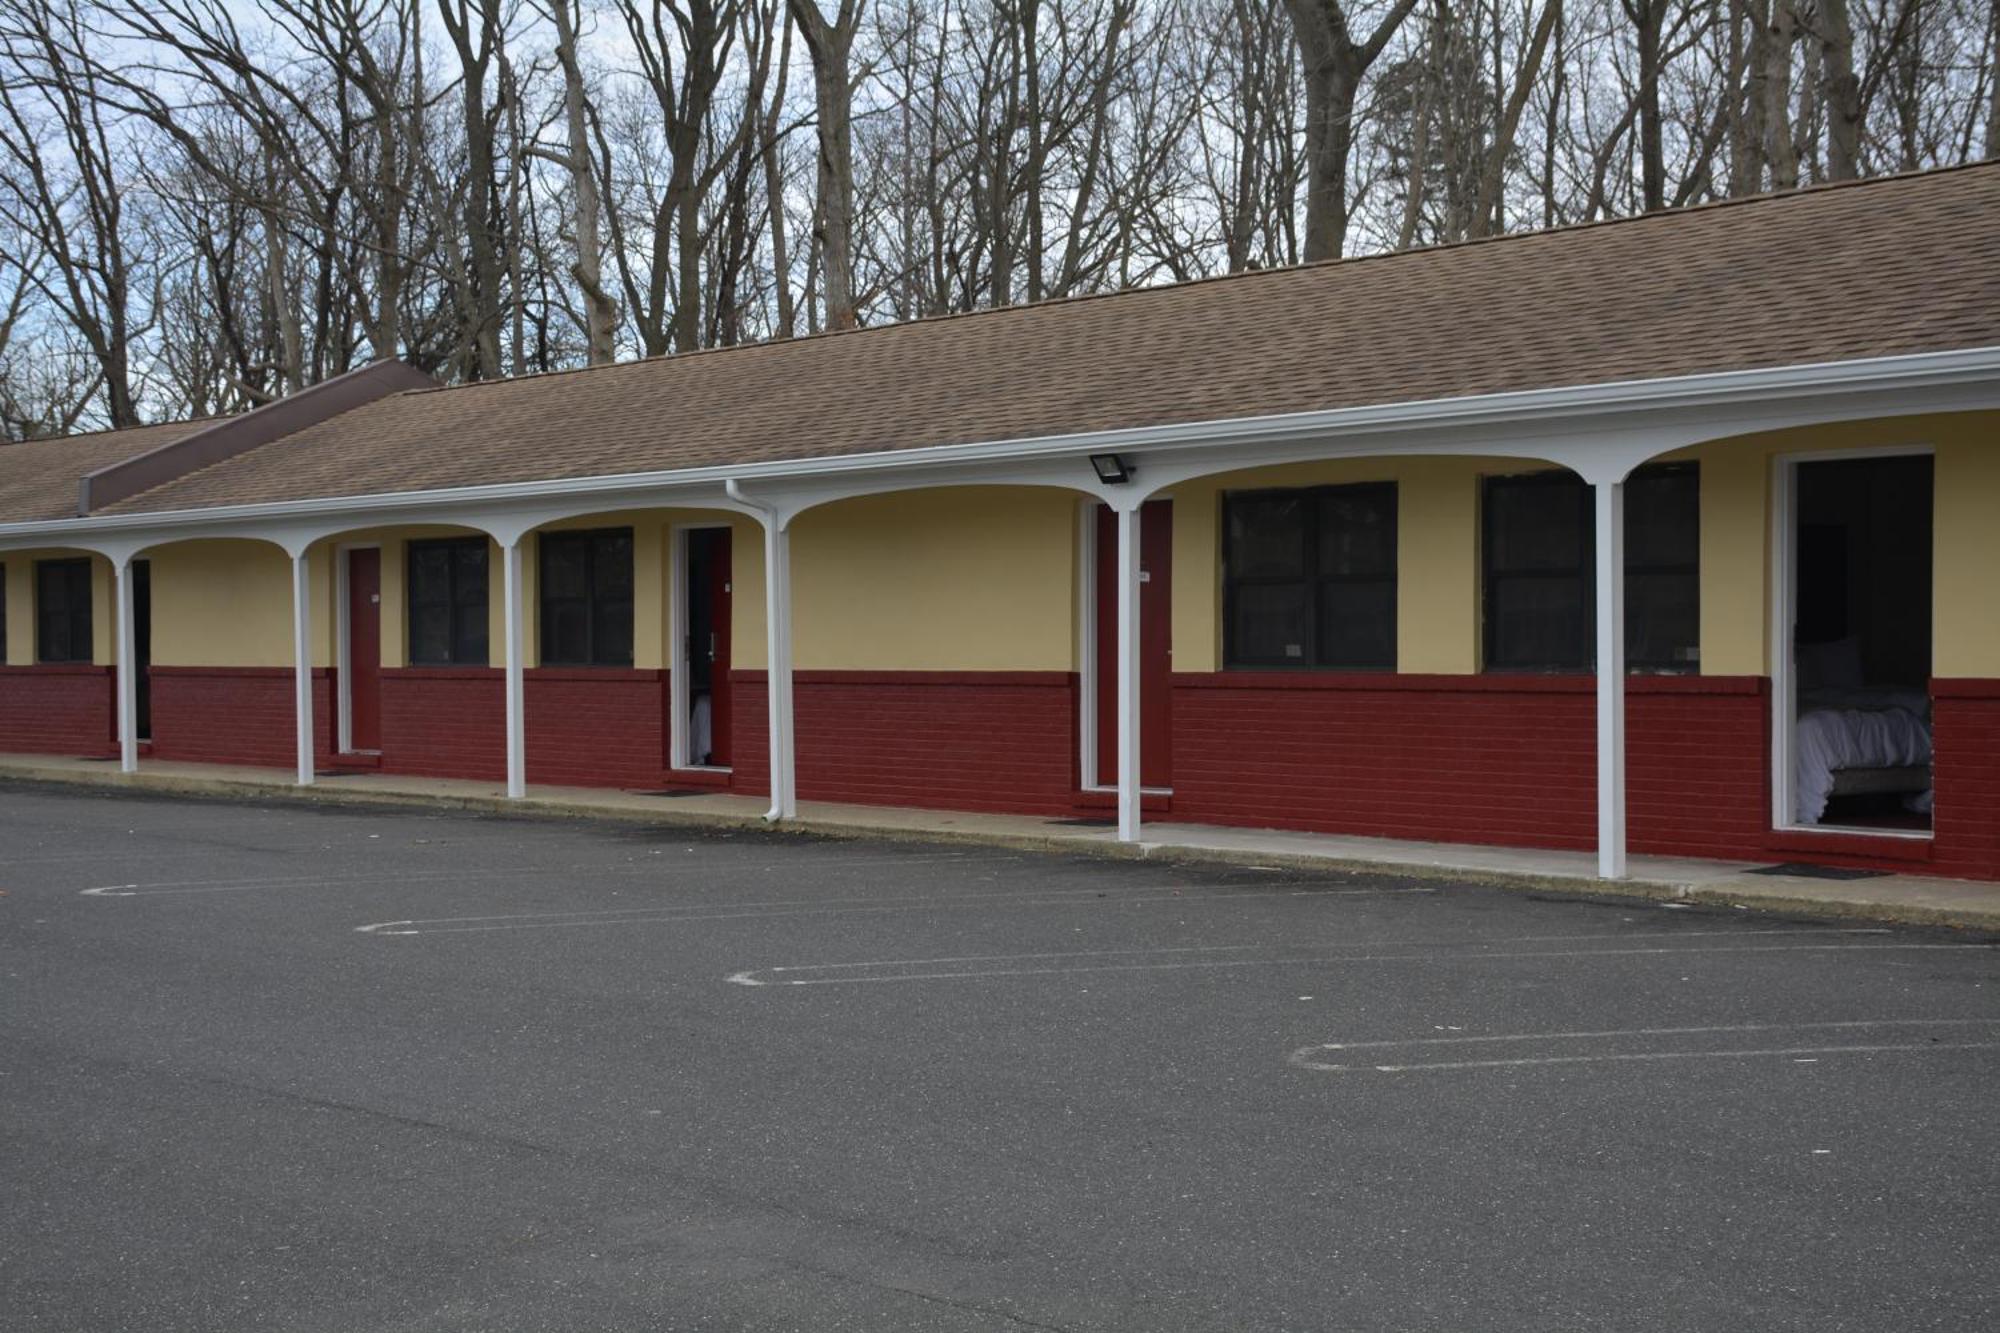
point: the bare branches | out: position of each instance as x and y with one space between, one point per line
206 204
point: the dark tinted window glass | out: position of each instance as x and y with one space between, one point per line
448 602
1357 622
586 598
1539 571
1663 568
1267 536
1310 578
1272 625
62 611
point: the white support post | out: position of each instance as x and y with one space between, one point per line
778 668
1610 497
302 664
128 672
514 628
1128 674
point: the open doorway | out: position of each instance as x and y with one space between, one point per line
142 649
1857 703
704 699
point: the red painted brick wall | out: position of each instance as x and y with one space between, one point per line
950 740
1509 760
1965 718
587 727
58 709
236 715
596 727
447 722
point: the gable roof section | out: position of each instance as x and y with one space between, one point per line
1877 268
38 478
216 441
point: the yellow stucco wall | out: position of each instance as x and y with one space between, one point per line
965 578
1966 633
221 603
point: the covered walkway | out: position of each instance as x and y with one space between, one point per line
1868 895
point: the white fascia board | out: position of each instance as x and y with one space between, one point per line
1565 411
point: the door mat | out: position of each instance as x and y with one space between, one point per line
683 791
1803 870
1083 823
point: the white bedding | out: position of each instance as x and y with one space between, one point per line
1854 729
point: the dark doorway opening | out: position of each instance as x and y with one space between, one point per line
705 650
142 648
1861 742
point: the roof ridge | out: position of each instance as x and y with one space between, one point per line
112 430
1242 275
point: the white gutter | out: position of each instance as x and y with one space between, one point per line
1722 389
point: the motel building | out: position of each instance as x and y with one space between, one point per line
1677 534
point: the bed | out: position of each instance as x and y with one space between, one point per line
1854 739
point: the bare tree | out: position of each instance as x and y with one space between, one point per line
830 44
1333 64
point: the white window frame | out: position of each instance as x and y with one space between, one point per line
1783 599
677 658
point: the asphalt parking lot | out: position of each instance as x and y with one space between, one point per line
290 1068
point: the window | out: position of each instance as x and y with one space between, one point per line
1663 568
62 610
1540 533
586 598
448 613
1309 578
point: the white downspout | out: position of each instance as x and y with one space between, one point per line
777 651
1610 498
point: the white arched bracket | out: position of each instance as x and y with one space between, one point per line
776 515
297 544
127 653
509 533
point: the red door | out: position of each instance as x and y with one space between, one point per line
364 649
719 620
1156 627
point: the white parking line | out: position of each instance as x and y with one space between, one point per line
1435 951
1312 1057
621 916
650 868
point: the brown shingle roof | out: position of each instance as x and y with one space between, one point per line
1901 265
38 478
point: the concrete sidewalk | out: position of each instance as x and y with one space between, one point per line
1905 899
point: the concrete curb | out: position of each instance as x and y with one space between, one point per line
1734 894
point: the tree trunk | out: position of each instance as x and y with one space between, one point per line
831 45
1781 32
600 312
1841 88
1485 217
1332 64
